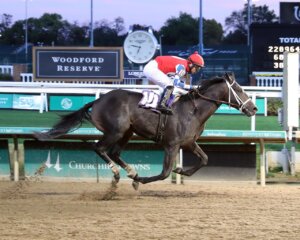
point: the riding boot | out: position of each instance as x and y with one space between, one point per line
164 105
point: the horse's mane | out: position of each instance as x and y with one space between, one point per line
202 88
205 84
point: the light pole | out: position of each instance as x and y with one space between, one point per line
91 27
200 28
26 29
160 44
249 21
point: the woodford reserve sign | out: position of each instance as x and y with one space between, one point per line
81 63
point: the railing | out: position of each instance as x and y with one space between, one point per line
6 69
268 79
28 78
263 79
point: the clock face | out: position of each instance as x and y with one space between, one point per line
140 46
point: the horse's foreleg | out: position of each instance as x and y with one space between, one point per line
169 159
195 149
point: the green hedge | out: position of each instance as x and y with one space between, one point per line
273 105
5 77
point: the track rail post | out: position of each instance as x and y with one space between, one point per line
16 160
262 163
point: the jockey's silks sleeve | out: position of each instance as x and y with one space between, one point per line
180 70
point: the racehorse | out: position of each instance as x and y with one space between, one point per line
118 116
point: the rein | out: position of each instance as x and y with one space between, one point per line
193 101
240 104
217 101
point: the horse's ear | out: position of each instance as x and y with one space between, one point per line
230 77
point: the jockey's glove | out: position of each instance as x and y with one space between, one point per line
178 82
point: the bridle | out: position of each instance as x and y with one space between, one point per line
241 104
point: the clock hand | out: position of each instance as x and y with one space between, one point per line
135 46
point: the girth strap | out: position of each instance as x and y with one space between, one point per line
162 122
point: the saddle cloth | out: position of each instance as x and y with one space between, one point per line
150 99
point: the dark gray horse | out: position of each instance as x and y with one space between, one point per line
118 116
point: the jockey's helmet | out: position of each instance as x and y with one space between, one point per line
196 59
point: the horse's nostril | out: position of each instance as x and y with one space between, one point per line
255 109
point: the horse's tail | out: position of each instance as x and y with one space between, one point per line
66 123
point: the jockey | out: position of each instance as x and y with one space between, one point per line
157 71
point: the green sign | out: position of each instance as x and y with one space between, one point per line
208 133
225 109
78 160
68 103
4 158
240 133
6 100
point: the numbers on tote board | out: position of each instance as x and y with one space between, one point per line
281 49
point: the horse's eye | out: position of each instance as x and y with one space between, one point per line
238 89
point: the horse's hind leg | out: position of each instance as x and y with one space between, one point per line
102 147
115 153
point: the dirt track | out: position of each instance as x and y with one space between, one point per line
47 210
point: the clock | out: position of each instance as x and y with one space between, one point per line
140 46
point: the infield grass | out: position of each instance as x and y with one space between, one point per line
29 118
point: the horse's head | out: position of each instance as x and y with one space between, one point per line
238 98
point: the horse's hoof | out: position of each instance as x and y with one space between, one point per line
116 178
114 184
135 185
132 174
178 170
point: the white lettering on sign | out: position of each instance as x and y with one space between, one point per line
297 13
92 166
145 167
64 68
138 74
69 64
75 165
289 39
77 59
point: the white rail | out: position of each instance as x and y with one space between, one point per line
73 88
268 79
6 69
263 79
28 78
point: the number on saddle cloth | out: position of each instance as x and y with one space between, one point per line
150 99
